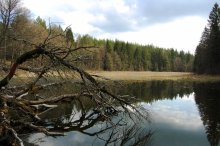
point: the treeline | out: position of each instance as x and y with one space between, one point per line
16 24
120 55
207 55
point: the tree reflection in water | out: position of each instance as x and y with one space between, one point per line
207 97
126 129
116 128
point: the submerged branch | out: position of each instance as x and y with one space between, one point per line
52 100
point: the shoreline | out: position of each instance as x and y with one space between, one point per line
150 75
140 76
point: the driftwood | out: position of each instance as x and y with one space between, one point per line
19 98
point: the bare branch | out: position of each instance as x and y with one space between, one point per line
45 92
26 56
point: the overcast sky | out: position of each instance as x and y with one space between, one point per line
174 24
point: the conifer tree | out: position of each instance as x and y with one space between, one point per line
207 55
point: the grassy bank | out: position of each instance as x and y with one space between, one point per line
142 76
147 75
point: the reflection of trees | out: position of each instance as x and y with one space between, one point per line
156 90
117 129
207 97
119 121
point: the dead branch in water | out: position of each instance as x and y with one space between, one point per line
29 98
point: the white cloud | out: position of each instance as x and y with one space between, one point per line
182 34
113 5
65 13
125 20
179 113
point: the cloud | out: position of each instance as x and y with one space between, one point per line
130 15
181 34
158 11
164 23
179 113
114 16
65 13
113 22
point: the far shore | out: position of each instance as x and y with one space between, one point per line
149 75
140 76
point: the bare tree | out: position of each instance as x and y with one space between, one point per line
9 9
26 95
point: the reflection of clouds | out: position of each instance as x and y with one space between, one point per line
181 113
190 97
176 122
72 139
39 138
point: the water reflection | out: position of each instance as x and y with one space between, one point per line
156 90
183 113
176 122
83 124
207 98
180 113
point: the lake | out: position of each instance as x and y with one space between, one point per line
177 114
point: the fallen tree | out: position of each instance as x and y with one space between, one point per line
23 100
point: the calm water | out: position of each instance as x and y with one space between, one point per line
179 114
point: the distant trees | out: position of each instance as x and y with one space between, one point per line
9 10
41 22
127 56
69 36
207 55
119 55
108 61
16 23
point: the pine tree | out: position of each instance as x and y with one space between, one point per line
207 55
41 22
108 61
213 44
137 59
69 36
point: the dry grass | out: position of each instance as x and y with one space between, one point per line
148 75
141 76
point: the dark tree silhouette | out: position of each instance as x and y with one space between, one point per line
207 55
207 100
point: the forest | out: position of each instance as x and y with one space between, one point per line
54 61
103 54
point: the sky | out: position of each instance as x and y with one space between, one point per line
174 24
